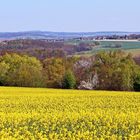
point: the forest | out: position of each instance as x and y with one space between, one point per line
112 70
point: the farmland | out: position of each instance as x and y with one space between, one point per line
42 49
128 46
35 113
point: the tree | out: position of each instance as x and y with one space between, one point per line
53 71
137 84
21 70
69 81
3 72
137 80
82 68
115 70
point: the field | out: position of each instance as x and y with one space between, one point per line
128 46
29 113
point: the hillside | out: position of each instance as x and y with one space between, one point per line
56 35
43 48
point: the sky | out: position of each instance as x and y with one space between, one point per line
69 15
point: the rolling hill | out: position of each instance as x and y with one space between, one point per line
56 35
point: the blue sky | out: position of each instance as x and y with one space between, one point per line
70 15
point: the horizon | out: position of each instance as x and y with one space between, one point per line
70 16
69 31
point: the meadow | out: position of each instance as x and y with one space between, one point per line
49 114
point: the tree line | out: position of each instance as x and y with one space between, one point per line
42 49
113 70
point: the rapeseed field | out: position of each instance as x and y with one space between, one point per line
48 114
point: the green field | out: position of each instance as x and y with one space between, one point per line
132 47
125 44
47 114
128 46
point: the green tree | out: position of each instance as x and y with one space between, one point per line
137 79
69 81
54 70
116 70
3 72
137 84
21 70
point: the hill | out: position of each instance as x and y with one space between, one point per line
56 35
